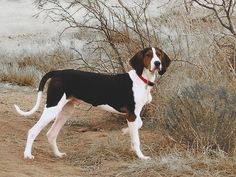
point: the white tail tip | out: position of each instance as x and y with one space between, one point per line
33 110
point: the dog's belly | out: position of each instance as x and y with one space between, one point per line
106 107
109 109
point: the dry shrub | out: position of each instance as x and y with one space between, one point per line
202 117
195 104
22 76
113 31
225 48
56 60
27 70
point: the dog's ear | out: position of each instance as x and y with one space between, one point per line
137 62
165 61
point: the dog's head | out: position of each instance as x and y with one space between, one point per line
153 59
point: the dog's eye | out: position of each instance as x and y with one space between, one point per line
149 55
159 54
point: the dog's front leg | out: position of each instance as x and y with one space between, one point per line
126 130
135 141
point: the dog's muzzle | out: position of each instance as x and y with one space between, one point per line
157 65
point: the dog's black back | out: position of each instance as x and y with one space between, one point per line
93 88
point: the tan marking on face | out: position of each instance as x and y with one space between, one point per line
147 59
160 54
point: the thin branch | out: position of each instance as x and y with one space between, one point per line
188 62
227 12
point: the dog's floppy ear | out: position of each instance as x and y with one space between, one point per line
165 61
137 62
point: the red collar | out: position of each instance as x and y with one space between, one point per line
146 81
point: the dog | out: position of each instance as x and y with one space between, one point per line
121 93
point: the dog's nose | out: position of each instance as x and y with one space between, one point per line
157 63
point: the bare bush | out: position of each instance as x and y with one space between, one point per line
195 105
202 117
116 31
223 11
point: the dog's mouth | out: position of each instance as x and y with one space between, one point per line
156 68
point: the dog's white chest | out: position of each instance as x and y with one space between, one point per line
143 96
141 92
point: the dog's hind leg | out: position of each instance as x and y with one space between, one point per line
53 132
47 116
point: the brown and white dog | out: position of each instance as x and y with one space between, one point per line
122 93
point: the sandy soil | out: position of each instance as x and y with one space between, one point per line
80 138
94 145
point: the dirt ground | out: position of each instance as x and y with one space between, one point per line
94 145
90 140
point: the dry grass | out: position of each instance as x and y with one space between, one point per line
182 164
27 70
202 117
111 156
12 73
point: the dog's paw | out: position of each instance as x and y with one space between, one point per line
28 156
145 157
60 154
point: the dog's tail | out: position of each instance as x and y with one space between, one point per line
40 95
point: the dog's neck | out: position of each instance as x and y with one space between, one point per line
151 76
